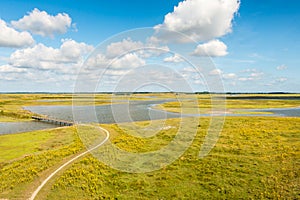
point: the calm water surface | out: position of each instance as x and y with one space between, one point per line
115 113
135 111
18 127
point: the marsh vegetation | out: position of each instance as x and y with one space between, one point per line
254 158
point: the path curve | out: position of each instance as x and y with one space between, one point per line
34 194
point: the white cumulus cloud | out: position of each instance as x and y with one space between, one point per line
122 47
69 55
41 23
191 69
147 49
11 69
215 72
201 20
128 61
281 79
9 37
73 50
281 67
213 48
252 75
229 76
175 59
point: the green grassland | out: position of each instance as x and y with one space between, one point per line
254 158
191 104
11 105
26 157
22 144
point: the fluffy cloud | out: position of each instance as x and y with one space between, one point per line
113 63
229 76
256 74
96 61
253 75
11 69
41 23
218 72
69 54
245 79
109 70
213 48
201 20
147 49
128 61
9 37
123 54
73 50
122 47
193 75
282 67
34 76
281 79
215 72
249 71
277 82
191 69
175 59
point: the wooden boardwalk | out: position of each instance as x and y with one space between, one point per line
53 121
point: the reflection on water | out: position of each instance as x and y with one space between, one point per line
136 111
116 113
18 127
287 112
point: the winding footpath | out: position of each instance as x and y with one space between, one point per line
34 194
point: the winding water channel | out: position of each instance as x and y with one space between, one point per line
135 111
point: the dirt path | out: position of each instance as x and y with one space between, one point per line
34 194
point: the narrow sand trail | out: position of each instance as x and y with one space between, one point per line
34 194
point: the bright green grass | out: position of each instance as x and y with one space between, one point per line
32 155
12 119
16 145
251 112
42 153
255 158
205 105
11 105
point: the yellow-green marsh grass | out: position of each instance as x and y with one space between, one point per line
14 146
208 102
26 156
255 158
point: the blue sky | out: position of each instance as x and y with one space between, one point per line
255 51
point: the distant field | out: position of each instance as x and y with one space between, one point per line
231 103
11 104
254 158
